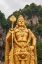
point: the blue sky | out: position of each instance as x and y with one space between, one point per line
9 6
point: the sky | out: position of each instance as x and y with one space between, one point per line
9 6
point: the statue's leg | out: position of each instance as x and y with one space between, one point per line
16 60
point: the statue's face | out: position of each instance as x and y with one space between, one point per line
21 22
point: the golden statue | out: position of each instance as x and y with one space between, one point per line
20 44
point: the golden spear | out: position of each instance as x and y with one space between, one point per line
12 19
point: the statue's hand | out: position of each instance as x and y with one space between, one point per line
11 29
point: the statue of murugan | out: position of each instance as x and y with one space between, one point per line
20 44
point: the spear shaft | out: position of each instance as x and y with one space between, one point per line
12 19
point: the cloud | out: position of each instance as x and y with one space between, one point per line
9 6
3 4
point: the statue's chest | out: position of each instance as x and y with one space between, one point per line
21 33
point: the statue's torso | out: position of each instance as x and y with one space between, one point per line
21 35
21 52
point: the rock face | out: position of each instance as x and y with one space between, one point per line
33 20
1 62
2 36
2 43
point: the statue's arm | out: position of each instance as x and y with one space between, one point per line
33 46
7 46
33 38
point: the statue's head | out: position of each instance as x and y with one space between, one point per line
20 21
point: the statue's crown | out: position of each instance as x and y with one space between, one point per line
20 17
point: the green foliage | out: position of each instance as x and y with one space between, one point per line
39 52
30 26
40 21
33 6
34 9
3 21
40 12
38 30
17 13
26 6
29 10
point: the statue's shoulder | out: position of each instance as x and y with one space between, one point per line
31 33
16 29
10 30
26 30
29 30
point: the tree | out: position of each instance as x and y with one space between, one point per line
40 12
26 6
40 21
39 52
38 30
34 9
3 21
